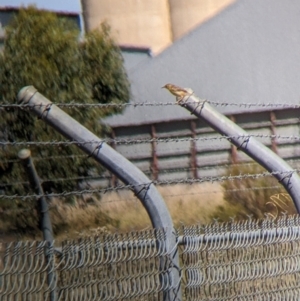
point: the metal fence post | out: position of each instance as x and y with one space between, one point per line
44 218
248 144
142 186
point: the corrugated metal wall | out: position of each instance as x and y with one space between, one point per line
134 22
181 158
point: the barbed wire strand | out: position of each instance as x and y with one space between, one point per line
72 104
217 164
166 182
166 196
138 141
147 172
77 179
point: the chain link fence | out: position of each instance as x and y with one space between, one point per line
249 260
109 267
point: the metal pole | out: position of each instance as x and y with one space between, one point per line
45 222
143 188
249 145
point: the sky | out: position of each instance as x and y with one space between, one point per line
55 5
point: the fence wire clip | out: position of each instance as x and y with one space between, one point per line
46 110
183 100
144 187
288 175
245 141
199 104
96 150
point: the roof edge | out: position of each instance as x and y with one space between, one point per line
60 12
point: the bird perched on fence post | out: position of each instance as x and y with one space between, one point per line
180 93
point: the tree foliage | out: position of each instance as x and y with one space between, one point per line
44 50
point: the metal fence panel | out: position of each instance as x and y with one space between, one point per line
247 260
130 266
243 261
23 273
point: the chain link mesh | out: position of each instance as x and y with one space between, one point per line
248 260
23 271
132 266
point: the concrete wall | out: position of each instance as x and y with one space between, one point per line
185 15
154 23
134 22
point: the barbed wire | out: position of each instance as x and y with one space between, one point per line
63 157
72 104
249 104
109 177
146 140
90 105
219 165
77 179
162 182
165 196
216 166
254 188
15 183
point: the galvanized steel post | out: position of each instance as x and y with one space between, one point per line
45 222
248 144
117 164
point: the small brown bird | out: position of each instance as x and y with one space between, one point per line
180 93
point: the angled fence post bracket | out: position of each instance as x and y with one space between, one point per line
252 147
114 162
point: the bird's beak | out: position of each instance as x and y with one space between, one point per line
163 87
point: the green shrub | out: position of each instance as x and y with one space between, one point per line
44 50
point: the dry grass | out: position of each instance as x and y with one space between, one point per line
188 204
122 211
72 221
